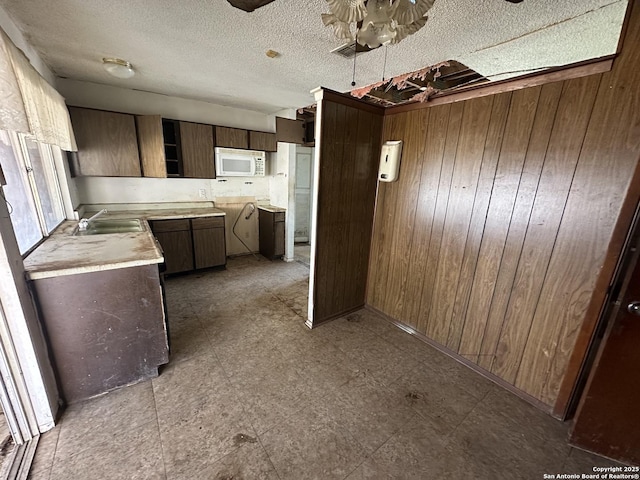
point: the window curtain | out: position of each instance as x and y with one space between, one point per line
30 105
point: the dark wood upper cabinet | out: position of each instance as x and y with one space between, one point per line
151 143
263 141
197 150
232 137
107 143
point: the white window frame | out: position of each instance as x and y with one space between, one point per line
52 178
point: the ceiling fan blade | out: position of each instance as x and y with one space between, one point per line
249 5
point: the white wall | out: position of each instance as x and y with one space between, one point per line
105 97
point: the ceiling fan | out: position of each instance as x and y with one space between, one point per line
251 5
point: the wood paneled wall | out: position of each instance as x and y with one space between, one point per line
349 158
503 222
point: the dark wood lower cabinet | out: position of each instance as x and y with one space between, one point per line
208 242
175 238
191 244
105 329
271 225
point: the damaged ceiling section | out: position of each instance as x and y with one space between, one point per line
420 85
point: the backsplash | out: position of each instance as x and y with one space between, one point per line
98 190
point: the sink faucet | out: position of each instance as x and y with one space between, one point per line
83 224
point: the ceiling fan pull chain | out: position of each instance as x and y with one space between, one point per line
355 54
384 67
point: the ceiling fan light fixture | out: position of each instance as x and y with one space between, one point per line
118 68
377 22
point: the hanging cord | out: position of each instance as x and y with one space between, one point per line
9 206
247 217
384 68
355 54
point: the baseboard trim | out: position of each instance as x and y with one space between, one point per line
467 363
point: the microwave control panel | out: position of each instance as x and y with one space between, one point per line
259 165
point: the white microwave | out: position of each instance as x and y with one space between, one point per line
231 162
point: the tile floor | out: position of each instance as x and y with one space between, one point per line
251 393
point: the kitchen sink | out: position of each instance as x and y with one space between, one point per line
106 226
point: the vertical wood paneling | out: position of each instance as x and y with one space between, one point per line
404 213
537 149
564 147
507 178
494 244
332 148
396 129
439 216
607 161
491 150
363 188
381 235
431 151
395 193
473 132
349 158
343 186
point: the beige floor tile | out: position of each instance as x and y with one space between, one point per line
45 451
430 392
40 474
272 392
348 336
249 461
196 435
186 383
371 412
100 421
135 454
310 445
385 362
188 340
413 452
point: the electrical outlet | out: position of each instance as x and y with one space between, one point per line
202 193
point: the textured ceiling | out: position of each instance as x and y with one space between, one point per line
208 50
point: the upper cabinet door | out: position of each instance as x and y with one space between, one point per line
232 137
151 143
197 150
263 141
107 144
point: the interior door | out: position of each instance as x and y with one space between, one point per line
608 417
303 195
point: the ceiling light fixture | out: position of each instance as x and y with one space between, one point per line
376 22
118 68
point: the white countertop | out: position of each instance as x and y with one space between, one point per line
65 254
271 208
162 213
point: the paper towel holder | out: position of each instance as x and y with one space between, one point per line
390 161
